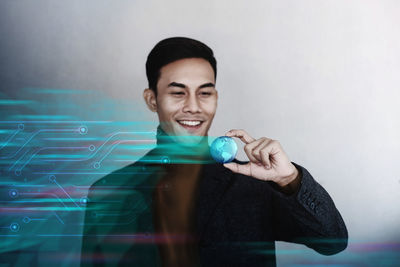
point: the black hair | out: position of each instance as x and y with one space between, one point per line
171 49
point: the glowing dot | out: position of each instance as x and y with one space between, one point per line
14 227
13 193
165 159
83 130
96 165
52 178
84 200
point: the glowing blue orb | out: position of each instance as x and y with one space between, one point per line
223 149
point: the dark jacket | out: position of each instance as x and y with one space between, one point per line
238 218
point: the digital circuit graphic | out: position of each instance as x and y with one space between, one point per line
52 149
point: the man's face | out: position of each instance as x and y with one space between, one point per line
186 97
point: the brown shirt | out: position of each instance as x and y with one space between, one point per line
174 201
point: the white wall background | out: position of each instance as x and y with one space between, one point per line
322 77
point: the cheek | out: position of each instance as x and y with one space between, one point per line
210 107
169 107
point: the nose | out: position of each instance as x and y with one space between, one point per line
192 105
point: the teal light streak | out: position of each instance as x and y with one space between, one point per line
6 131
49 209
57 156
42 117
72 139
3 144
57 91
11 102
41 200
80 122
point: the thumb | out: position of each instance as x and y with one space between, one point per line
231 166
238 168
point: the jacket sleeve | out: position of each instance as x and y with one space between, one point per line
309 217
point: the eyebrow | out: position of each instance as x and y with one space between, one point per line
181 85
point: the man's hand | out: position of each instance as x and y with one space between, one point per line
268 161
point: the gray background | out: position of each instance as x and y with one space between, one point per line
319 76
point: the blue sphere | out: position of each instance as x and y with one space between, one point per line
223 149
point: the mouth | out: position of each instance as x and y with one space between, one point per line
190 125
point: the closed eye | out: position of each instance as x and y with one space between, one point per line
177 93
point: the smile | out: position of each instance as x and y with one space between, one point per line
187 123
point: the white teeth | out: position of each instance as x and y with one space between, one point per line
190 123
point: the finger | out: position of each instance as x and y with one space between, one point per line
262 142
249 148
263 151
265 159
239 168
241 134
268 152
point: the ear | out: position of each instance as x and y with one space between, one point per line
150 99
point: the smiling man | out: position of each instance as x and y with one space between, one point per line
177 207
185 99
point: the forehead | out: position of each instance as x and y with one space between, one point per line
187 70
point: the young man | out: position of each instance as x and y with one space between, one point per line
177 207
